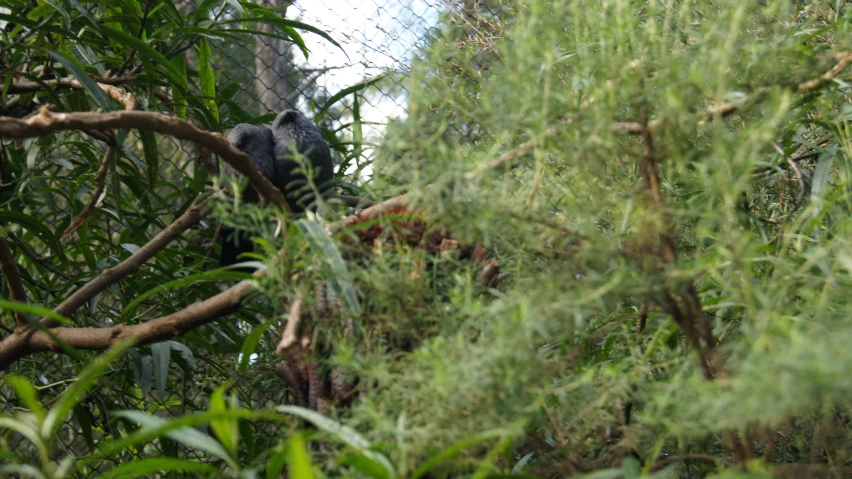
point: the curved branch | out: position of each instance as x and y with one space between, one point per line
30 341
132 264
29 86
100 182
46 122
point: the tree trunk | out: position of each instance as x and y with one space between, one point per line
271 65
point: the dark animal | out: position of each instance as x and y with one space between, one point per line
272 152
293 130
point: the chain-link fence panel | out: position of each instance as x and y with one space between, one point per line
255 79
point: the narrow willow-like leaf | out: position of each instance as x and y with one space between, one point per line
205 75
186 435
345 434
219 274
161 353
27 394
251 342
142 47
89 85
345 92
226 428
337 272
357 133
455 450
298 459
152 157
77 390
179 64
147 467
34 310
37 227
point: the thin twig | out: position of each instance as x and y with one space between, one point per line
726 109
353 201
100 182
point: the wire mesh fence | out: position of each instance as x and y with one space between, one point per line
255 77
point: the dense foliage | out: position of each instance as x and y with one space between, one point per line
665 187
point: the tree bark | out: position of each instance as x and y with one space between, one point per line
271 65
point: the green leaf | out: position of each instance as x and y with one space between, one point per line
178 98
202 11
205 75
143 48
88 16
89 85
336 272
161 355
147 467
822 173
251 342
23 470
344 93
217 274
37 227
27 394
25 429
357 134
78 389
227 428
82 416
185 435
298 459
343 433
34 310
276 462
367 466
455 450
486 464
62 12
283 23
152 157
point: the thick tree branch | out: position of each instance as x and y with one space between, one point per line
46 122
30 341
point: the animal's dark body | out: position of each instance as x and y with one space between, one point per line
271 150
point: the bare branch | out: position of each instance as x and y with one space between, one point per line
290 335
100 182
29 86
